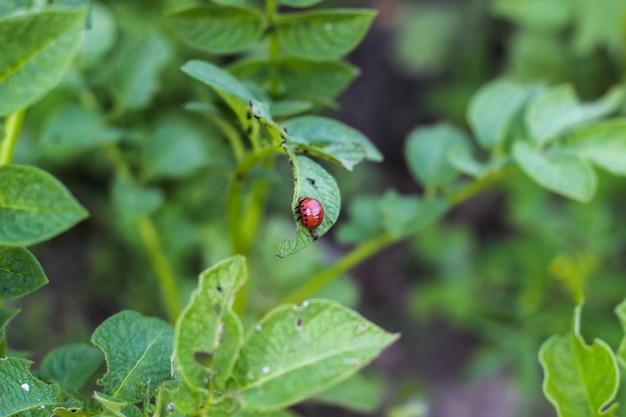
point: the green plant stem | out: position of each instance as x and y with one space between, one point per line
475 187
243 226
152 243
348 261
274 49
3 347
370 247
12 126
165 276
231 134
240 235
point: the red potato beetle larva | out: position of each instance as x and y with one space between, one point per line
311 211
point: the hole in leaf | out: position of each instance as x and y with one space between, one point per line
203 358
299 323
219 288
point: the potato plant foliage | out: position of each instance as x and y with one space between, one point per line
196 118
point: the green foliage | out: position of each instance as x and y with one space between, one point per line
34 206
218 29
34 63
580 379
21 392
71 366
137 350
174 189
20 273
296 351
323 34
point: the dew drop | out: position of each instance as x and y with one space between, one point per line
362 326
266 369
170 406
25 387
305 304
206 379
259 327
328 26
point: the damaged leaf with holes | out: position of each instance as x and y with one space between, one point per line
208 332
297 351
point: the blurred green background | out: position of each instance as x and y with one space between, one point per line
473 296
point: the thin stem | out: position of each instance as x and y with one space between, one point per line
12 126
274 49
243 226
165 276
152 242
348 261
231 134
475 187
362 252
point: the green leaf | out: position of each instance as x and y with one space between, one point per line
558 170
405 215
73 130
311 180
426 37
598 26
133 201
233 92
299 3
366 221
321 35
69 412
358 393
557 110
10 6
20 390
322 132
428 150
250 4
331 140
37 49
71 366
538 14
100 38
137 350
295 352
493 108
136 68
116 406
34 206
317 81
603 143
208 333
580 380
175 149
620 312
218 29
177 396
286 108
461 158
20 273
